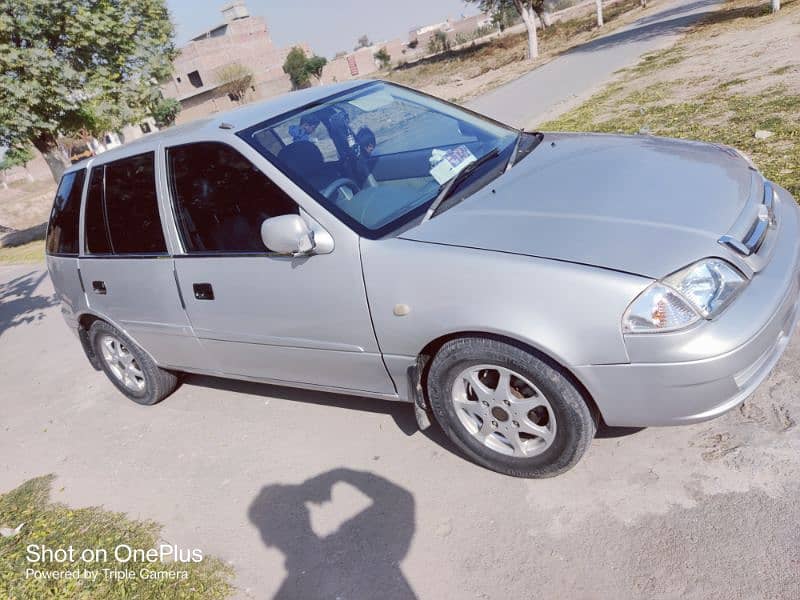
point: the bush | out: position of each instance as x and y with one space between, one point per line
165 112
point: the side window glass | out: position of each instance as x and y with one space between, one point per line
221 198
62 234
97 241
132 206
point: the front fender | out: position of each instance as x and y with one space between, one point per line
569 312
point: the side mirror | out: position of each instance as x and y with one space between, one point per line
287 234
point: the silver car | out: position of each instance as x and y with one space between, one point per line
517 288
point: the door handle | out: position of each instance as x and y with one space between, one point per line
99 287
203 291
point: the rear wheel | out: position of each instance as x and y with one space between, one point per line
508 409
129 367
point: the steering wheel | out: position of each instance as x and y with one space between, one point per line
328 190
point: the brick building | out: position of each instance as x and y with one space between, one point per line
362 62
241 39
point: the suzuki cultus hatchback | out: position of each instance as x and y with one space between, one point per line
366 239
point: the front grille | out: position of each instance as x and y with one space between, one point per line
765 219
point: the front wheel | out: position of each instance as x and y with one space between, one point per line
507 409
128 367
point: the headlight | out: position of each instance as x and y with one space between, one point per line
699 291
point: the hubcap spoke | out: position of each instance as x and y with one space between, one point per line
516 443
503 390
485 430
539 431
524 406
481 391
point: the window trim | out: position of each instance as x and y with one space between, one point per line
114 254
173 205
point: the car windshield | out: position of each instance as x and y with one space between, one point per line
379 155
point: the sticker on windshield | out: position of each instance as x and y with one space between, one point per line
447 164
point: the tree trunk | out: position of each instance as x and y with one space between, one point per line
643 3
529 18
599 4
46 144
776 5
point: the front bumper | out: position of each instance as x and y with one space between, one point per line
742 346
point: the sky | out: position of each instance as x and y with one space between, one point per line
327 26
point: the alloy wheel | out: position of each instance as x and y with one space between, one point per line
503 410
121 363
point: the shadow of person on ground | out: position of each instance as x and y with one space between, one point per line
361 559
19 302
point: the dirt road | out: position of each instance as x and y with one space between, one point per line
573 76
243 471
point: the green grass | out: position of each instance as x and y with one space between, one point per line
655 61
27 253
57 526
716 116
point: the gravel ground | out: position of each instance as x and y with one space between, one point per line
318 495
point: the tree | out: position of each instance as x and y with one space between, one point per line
438 42
599 8
295 67
235 80
57 57
504 15
776 5
382 56
314 66
15 156
363 42
528 10
301 68
164 111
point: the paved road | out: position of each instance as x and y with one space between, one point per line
572 77
239 470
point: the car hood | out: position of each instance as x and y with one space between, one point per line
638 204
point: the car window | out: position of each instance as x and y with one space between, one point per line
96 233
62 234
221 198
131 205
377 156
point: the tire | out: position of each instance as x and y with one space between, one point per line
142 380
508 409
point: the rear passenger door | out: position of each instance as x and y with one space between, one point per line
127 272
285 319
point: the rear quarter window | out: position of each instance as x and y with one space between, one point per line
62 232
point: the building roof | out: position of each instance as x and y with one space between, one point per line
238 118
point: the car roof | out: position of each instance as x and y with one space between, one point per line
234 120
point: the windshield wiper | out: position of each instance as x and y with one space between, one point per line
449 186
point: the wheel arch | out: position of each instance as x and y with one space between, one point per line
85 321
426 354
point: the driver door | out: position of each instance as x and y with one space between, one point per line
302 320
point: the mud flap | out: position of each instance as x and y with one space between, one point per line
422 411
83 335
